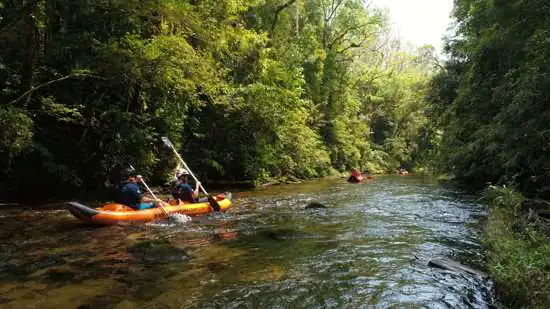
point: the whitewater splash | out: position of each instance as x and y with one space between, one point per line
179 218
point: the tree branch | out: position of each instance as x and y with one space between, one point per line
333 9
360 44
276 17
345 32
33 89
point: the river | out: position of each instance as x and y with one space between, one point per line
369 249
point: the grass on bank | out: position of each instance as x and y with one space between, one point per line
518 246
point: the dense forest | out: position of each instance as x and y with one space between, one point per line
255 90
491 100
247 90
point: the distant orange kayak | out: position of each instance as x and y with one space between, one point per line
114 213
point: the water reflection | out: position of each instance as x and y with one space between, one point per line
368 249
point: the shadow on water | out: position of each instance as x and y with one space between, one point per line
369 248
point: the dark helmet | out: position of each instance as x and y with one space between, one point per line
128 172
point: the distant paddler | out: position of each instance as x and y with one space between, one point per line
356 176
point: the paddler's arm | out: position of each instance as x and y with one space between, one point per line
196 192
146 199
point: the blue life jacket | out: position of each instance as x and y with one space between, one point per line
129 194
184 192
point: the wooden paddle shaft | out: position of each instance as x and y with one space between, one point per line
212 201
187 167
152 194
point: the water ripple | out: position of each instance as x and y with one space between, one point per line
368 249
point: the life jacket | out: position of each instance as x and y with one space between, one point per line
183 191
128 193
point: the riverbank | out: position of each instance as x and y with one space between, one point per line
518 250
99 195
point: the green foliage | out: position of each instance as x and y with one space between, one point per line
503 197
491 99
517 257
399 111
16 131
247 90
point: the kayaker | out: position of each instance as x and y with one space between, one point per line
355 176
129 192
182 190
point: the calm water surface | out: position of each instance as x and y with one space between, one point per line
368 249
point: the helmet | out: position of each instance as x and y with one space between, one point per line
128 172
181 172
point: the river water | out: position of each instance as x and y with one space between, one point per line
369 249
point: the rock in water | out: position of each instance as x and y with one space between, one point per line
158 251
125 304
315 205
446 263
286 234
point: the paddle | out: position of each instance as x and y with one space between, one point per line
211 200
151 192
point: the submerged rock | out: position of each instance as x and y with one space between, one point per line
286 234
448 264
125 304
315 205
158 251
26 269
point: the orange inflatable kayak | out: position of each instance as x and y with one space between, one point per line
114 213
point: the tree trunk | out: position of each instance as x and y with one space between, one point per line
31 47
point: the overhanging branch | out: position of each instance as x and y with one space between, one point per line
276 17
33 89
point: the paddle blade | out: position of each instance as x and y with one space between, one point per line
213 203
167 142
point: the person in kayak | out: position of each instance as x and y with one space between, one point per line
355 176
182 190
129 192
